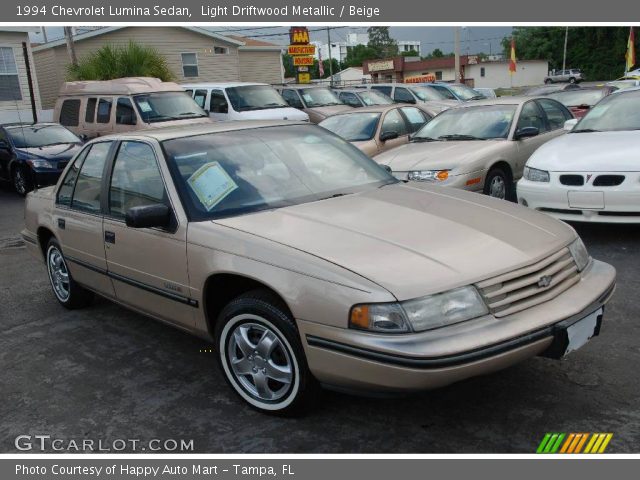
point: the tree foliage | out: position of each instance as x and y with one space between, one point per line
381 42
110 62
358 54
598 51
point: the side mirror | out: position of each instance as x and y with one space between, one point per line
526 132
148 216
4 145
569 124
389 135
387 168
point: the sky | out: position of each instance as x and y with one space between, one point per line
472 39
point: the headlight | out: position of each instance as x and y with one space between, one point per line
421 314
535 175
579 254
37 163
428 175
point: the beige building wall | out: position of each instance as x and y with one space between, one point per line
264 66
19 110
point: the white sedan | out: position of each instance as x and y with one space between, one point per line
591 174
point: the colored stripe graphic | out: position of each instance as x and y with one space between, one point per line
574 443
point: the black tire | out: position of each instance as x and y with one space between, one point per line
572 80
70 295
252 314
21 180
547 81
497 177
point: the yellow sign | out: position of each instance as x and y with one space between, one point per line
300 61
298 35
302 50
304 77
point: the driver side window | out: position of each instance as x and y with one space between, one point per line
393 122
531 116
218 102
292 98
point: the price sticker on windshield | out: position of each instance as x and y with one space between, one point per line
211 184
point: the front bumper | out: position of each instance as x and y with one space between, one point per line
43 178
360 361
619 204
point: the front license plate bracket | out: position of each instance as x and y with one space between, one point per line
568 338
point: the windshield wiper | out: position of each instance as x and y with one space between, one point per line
457 136
584 130
477 97
423 139
335 195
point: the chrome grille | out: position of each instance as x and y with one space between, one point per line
529 286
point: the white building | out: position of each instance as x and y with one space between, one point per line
496 74
350 76
339 50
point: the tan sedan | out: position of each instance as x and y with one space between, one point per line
379 128
479 146
306 263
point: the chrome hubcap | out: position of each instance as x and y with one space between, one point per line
259 361
497 188
58 274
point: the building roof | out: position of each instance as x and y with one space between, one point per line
105 30
252 42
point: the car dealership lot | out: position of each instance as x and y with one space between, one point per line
106 373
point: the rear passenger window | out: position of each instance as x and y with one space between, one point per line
292 98
90 112
556 113
385 90
218 103
136 179
415 117
402 95
70 113
200 98
125 115
86 196
104 110
66 189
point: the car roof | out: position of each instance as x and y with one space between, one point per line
507 100
298 86
219 84
119 86
28 124
373 109
181 131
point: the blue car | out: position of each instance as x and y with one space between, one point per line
33 155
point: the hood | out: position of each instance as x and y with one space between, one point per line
288 113
437 155
594 152
54 153
413 241
441 105
323 112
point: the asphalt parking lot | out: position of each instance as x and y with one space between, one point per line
107 373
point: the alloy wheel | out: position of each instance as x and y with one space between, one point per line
498 188
58 274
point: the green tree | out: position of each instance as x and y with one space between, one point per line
437 53
358 54
315 70
410 53
381 42
287 63
598 51
132 60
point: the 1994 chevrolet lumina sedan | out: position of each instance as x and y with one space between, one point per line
307 263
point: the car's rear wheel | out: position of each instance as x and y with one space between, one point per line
67 291
498 184
261 356
572 80
547 81
21 182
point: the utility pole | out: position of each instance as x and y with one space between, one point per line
44 35
457 52
68 35
330 57
564 56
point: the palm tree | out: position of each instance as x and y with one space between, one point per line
110 61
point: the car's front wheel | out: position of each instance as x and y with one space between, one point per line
67 291
261 356
498 184
21 181
572 80
548 81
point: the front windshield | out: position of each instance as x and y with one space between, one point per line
255 97
319 97
465 93
428 94
620 111
167 106
469 123
575 98
373 97
34 136
354 127
244 171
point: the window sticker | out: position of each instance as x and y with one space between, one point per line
211 184
144 106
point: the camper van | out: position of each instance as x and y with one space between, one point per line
95 108
243 101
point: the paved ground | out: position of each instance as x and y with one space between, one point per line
108 373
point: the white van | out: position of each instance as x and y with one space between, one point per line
243 101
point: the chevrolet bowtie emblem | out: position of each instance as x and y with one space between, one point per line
544 281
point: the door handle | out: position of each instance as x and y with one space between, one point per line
61 224
109 237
